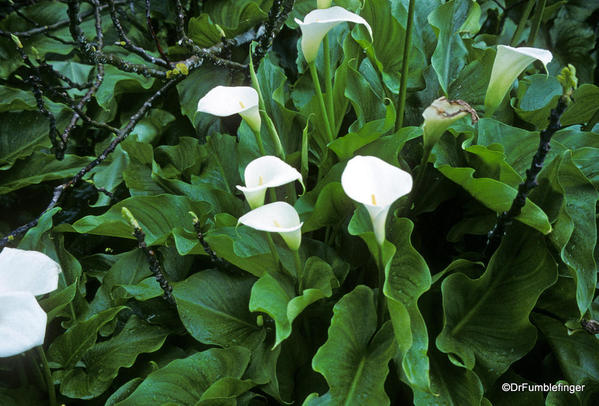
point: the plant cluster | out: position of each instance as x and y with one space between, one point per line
256 202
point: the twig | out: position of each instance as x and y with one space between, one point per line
99 78
505 219
51 27
96 55
37 86
590 326
122 134
200 234
152 33
127 44
276 18
155 267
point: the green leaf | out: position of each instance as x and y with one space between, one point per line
204 32
104 359
40 167
496 196
274 294
354 359
330 208
537 95
575 231
213 307
68 348
236 16
584 107
388 35
468 336
448 20
346 146
242 246
573 351
15 143
407 278
157 216
451 385
197 377
117 82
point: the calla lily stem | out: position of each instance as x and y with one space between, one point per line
381 302
328 82
536 22
48 376
259 142
300 271
323 109
522 23
407 46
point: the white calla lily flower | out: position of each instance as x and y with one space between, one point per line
319 22
23 275
277 217
376 184
225 101
264 172
508 65
440 115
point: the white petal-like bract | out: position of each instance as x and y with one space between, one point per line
264 172
509 63
319 22
376 184
225 101
277 217
22 323
27 271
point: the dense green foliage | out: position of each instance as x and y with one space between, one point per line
237 330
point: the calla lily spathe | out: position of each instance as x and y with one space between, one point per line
376 184
277 217
319 22
24 275
509 63
440 115
225 101
264 172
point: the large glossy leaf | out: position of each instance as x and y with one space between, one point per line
213 307
448 21
103 360
517 274
274 294
240 245
157 216
451 385
67 349
40 168
355 358
407 278
575 232
204 376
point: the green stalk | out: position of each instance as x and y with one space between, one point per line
536 22
407 46
48 376
328 82
299 270
273 250
323 109
381 301
259 142
522 23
